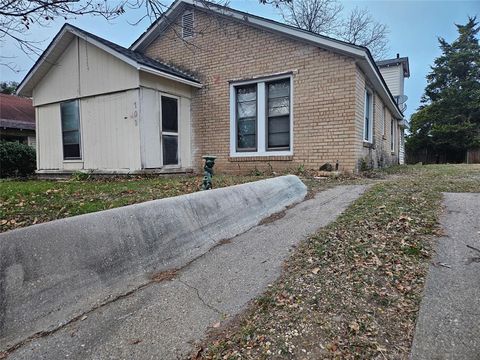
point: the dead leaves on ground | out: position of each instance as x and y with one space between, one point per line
353 290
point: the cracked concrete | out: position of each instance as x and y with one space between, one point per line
163 320
448 325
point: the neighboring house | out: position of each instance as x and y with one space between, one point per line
394 71
206 79
17 119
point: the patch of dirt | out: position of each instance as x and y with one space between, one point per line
164 275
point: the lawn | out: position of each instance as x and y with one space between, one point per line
353 290
24 203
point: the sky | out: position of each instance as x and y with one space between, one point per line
414 27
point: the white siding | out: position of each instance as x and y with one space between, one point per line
49 138
84 70
185 133
150 128
62 81
111 113
32 141
101 72
110 131
393 76
164 85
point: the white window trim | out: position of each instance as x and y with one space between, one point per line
384 119
80 130
178 165
261 119
392 136
370 117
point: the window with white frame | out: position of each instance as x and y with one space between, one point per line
246 117
392 135
368 117
384 119
70 118
261 117
169 130
278 114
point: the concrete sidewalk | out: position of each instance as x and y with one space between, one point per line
448 326
163 320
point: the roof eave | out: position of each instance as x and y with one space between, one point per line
23 88
169 76
355 51
26 86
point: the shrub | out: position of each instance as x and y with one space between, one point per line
16 159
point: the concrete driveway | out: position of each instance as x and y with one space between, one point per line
163 320
448 326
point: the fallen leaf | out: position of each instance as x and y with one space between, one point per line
354 326
315 270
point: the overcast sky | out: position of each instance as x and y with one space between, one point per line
414 27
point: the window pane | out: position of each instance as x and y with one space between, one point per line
247 133
279 88
247 109
71 137
246 116
367 116
247 93
279 132
170 149
279 106
278 124
71 151
279 140
70 115
247 141
169 114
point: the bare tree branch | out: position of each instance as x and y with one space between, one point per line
361 29
318 16
326 17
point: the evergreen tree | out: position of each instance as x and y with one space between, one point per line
448 122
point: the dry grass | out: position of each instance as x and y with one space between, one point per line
353 290
24 203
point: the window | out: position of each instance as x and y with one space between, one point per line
368 118
70 116
246 98
392 135
261 117
169 130
278 107
187 25
384 119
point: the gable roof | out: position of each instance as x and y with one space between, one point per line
134 58
361 54
403 61
16 112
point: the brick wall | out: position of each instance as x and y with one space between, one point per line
324 92
378 153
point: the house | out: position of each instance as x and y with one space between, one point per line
17 119
394 71
207 79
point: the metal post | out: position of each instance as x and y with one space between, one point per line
208 171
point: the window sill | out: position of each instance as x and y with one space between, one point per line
73 161
260 158
368 145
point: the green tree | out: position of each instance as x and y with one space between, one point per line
448 122
8 87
